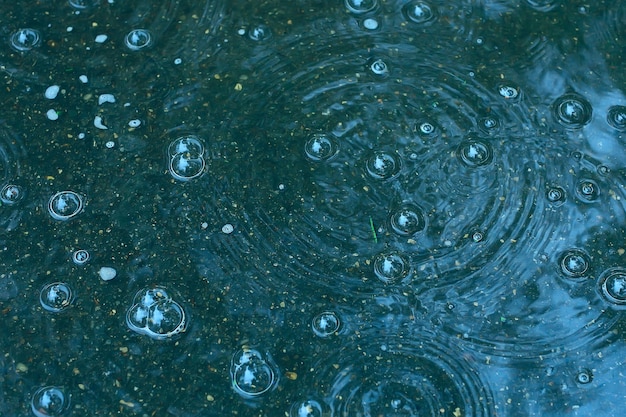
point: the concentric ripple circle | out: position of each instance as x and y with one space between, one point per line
612 285
252 373
572 111
50 401
616 117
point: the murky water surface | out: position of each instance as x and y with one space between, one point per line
313 208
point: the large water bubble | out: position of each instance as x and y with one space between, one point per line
418 12
56 297
612 285
11 194
383 165
616 117
326 324
475 153
572 111
155 314
25 39
361 6
64 205
391 267
407 220
574 263
320 147
252 373
49 402
138 39
186 158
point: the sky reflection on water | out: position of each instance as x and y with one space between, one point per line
316 208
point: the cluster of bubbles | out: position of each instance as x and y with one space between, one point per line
186 158
252 373
156 314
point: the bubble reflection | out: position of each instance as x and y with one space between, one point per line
320 147
418 12
572 111
253 374
325 324
50 401
25 39
138 39
65 205
56 297
156 314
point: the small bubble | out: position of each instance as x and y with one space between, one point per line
584 376
56 297
361 6
616 117
478 236
320 147
178 61
107 273
260 33
185 167
509 92
134 123
418 12
588 190
252 374
475 153
110 144
25 39
489 125
603 170
325 324
407 220
574 263
378 67
138 39
52 92
556 195
49 402
572 111
80 257
101 38
228 228
64 205
391 268
52 114
11 194
382 166
612 283
188 144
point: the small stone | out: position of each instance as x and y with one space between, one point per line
52 92
101 38
227 228
52 114
107 273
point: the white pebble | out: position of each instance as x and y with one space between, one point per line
110 144
52 92
228 228
97 122
81 135
52 114
106 98
134 123
101 38
178 61
107 273
83 79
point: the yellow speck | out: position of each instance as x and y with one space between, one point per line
209 397
238 87
291 375
124 349
20 367
457 412
620 251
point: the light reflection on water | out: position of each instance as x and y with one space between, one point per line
394 208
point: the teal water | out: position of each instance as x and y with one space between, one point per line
312 208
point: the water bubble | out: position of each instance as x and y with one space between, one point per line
138 39
11 194
155 314
361 6
306 408
418 12
325 324
584 376
603 170
80 257
489 125
407 220
556 195
382 165
509 92
252 374
320 147
475 153
56 297
49 402
185 167
574 263
64 205
616 117
378 67
391 268
260 33
427 130
572 111
189 144
478 236
83 4
25 39
612 283
587 190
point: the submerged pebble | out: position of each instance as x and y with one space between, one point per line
107 273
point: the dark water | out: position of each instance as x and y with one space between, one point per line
442 180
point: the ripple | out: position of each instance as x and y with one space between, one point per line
574 263
25 39
616 117
321 147
407 220
572 111
612 284
419 12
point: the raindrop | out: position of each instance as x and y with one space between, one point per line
427 130
475 153
325 324
361 6
574 263
49 402
138 39
25 39
80 257
603 170
391 268
418 12
320 147
407 220
260 33
616 117
612 285
588 190
382 165
155 314
64 205
11 194
252 374
307 408
56 297
489 125
572 111
584 376
378 67
556 196
478 236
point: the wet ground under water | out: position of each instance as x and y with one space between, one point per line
313 208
